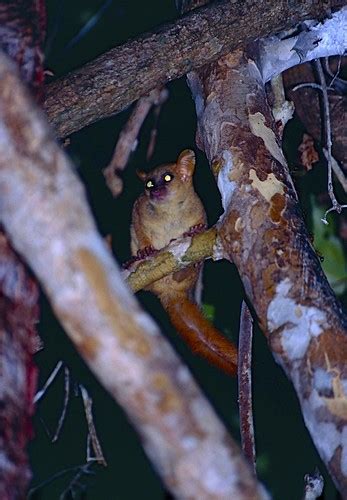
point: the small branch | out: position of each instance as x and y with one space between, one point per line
337 171
245 385
334 77
328 141
88 403
85 467
282 109
336 206
65 403
75 485
48 382
127 141
177 255
154 130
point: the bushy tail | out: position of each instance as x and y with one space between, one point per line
201 336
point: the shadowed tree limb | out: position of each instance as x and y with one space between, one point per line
117 78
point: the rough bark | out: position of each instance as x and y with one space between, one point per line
114 80
263 233
18 318
22 31
180 432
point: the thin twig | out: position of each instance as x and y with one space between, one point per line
128 138
65 403
337 171
328 141
245 385
59 474
330 73
88 403
75 481
309 85
49 381
154 132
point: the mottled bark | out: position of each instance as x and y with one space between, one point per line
180 432
22 31
263 233
18 318
114 80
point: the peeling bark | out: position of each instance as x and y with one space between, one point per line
180 432
263 233
117 78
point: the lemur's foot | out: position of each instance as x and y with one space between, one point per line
141 254
129 262
198 228
146 252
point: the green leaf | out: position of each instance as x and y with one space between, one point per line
209 311
330 248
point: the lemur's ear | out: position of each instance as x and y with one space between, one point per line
141 175
186 164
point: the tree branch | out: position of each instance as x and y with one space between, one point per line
117 78
45 211
178 255
264 235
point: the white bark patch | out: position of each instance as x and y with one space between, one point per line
298 329
326 435
225 185
267 188
329 439
179 249
217 482
322 380
218 250
259 129
323 40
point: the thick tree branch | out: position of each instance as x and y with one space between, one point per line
44 210
117 78
262 231
22 32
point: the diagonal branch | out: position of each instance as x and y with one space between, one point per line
117 78
180 432
263 233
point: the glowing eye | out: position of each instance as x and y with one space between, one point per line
167 177
149 184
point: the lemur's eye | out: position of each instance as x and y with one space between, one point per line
149 184
168 177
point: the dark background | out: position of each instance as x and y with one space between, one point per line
284 449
